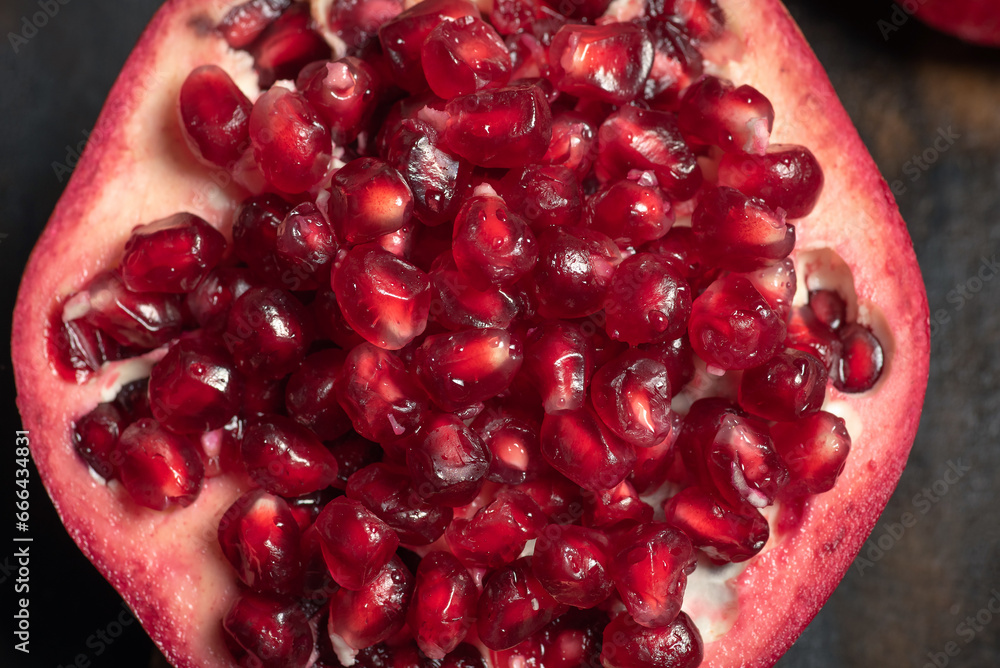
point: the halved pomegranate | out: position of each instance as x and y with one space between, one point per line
617 364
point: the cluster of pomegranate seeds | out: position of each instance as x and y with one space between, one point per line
479 262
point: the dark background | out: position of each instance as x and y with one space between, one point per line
905 603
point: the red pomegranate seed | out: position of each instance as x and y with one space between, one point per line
647 140
357 21
145 320
268 631
741 234
344 92
574 271
631 394
680 248
653 464
158 468
376 612
713 112
383 298
443 606
78 349
616 509
380 397
557 496
627 645
829 308
808 334
260 538
291 145
457 305
356 543
814 449
286 458
268 331
133 400
464 368
631 211
492 246
776 284
790 385
732 327
368 199
677 357
511 16
698 432
306 246
559 361
608 62
95 437
210 301
389 494
785 177
448 461
650 573
195 387
646 301
500 127
578 445
572 564
215 116
245 22
722 531
497 533
310 396
353 453
287 45
742 463
462 56
573 144
513 444
544 195
255 234
513 606
330 320
860 364
403 37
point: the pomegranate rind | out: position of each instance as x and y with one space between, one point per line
136 168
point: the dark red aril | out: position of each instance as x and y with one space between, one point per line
650 572
559 361
356 543
785 177
158 468
457 305
808 334
291 144
829 307
255 234
388 492
210 301
677 357
245 22
544 195
742 463
377 611
497 533
357 21
513 444
95 436
448 461
492 246
608 62
631 394
631 211
268 631
788 386
286 458
287 45
628 645
513 606
722 531
814 449
345 92
646 301
860 364
311 398
78 348
215 116
713 111
574 271
368 199
145 320
462 56
268 332
740 233
573 144
573 564
578 445
306 247
616 509
443 604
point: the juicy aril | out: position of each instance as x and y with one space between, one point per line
516 334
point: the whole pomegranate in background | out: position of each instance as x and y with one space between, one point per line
829 258
976 21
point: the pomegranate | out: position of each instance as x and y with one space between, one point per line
472 334
976 21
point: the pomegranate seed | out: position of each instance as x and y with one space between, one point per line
650 574
353 453
497 533
286 458
462 56
376 612
742 464
646 301
457 305
268 631
403 38
741 233
344 92
389 494
808 334
210 302
78 349
572 563
444 602
616 509
357 21
448 461
829 308
267 331
677 357
260 538
383 298
215 116
195 387
255 234
463 368
732 327
511 16
492 246
698 431
647 140
788 386
608 62
145 320
556 495
291 145
713 112
513 606
305 245
776 284
680 248
653 464
544 194
574 272
573 144
627 645
785 177
814 449
356 543
559 361
133 400
500 127
631 212
245 22
860 365
158 468
631 394
578 445
379 396
723 532
330 319
368 199
311 399
287 45
513 444
95 437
